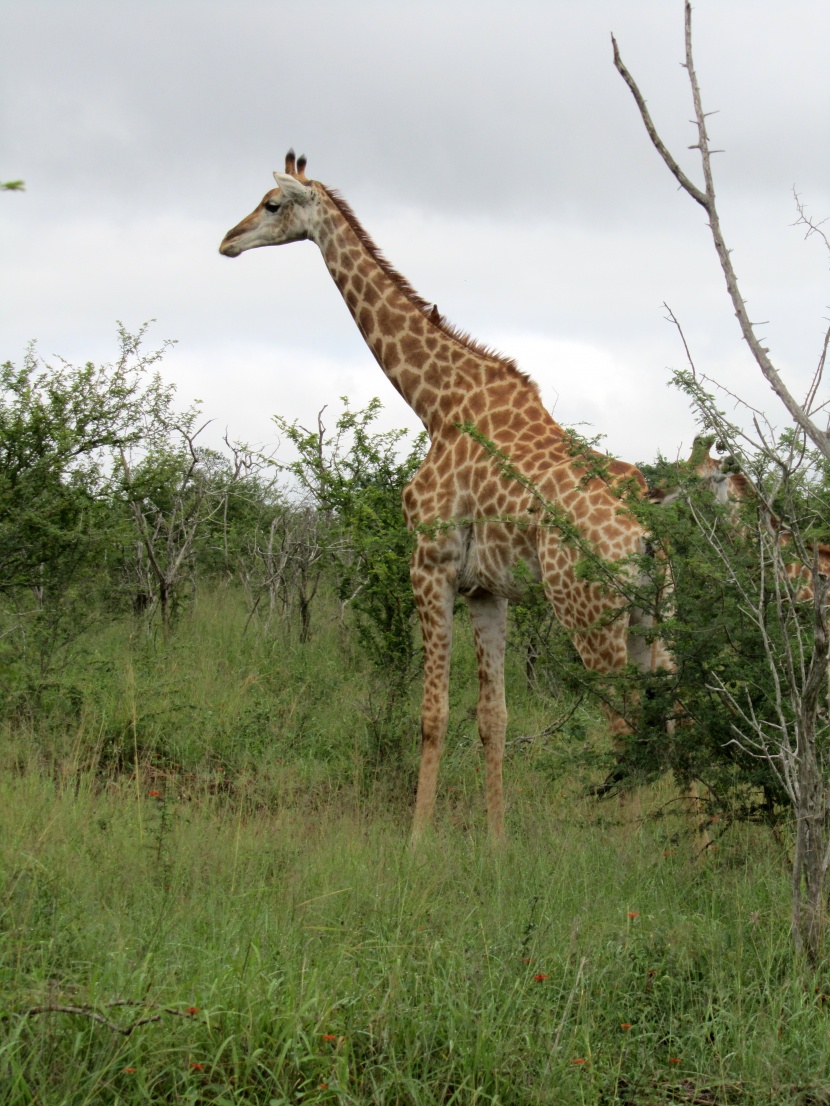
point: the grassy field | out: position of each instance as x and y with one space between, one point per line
206 896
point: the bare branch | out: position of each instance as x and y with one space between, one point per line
93 1015
817 378
707 200
812 226
659 145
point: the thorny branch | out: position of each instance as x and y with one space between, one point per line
706 199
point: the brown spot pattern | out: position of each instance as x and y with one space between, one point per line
448 378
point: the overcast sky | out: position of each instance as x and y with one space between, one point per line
490 149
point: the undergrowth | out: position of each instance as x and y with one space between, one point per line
206 896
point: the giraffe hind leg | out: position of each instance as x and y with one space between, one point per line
435 598
489 617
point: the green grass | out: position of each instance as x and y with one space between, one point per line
210 843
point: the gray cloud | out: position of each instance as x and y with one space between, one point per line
491 150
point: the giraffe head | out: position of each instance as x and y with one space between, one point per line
722 474
285 214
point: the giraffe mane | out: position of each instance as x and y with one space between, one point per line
429 309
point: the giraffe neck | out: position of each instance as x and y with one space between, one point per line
416 353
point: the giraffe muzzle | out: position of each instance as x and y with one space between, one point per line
229 246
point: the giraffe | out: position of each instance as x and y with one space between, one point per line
730 487
723 477
478 533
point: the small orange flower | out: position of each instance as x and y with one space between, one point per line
196 1067
633 914
578 1060
674 1059
540 977
191 1010
154 794
323 1087
625 1025
129 1071
329 1036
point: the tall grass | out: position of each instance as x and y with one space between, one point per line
208 847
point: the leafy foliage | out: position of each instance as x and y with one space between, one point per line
356 477
109 503
60 427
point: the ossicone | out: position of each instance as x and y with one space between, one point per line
295 167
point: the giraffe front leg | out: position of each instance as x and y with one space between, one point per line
489 618
605 649
435 598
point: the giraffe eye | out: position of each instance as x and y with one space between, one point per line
272 206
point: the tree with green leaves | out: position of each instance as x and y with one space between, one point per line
60 428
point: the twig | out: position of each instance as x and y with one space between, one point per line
674 168
551 729
93 1015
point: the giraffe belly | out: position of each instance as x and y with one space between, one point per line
501 560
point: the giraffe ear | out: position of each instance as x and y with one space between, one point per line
293 189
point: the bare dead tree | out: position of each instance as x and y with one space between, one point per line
801 414
251 476
167 524
262 570
794 738
285 565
